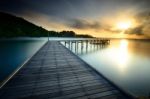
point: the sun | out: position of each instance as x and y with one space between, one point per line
124 25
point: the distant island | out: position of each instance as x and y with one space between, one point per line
12 26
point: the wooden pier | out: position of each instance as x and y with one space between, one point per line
54 72
87 44
91 41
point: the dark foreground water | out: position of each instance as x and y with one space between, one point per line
124 62
13 54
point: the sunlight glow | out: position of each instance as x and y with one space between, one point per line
120 55
123 44
123 53
124 25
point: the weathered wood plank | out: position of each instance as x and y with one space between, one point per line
55 73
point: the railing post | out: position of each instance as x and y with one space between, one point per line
48 36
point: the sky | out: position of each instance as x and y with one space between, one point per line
99 18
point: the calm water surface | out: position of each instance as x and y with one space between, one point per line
14 52
124 62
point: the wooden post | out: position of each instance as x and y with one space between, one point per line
65 43
75 46
71 45
81 46
86 46
48 36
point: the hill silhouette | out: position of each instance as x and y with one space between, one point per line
12 26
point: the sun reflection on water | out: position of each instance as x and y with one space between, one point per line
123 53
120 56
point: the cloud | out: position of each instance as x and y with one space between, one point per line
84 24
136 30
109 29
143 27
56 14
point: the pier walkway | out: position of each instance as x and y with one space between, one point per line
54 72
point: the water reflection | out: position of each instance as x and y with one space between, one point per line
123 55
124 62
120 56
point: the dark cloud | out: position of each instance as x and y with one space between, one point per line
94 25
83 24
71 8
143 19
112 30
13 6
136 30
57 8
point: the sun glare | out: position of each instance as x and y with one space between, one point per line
120 55
124 25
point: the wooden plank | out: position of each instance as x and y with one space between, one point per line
56 73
